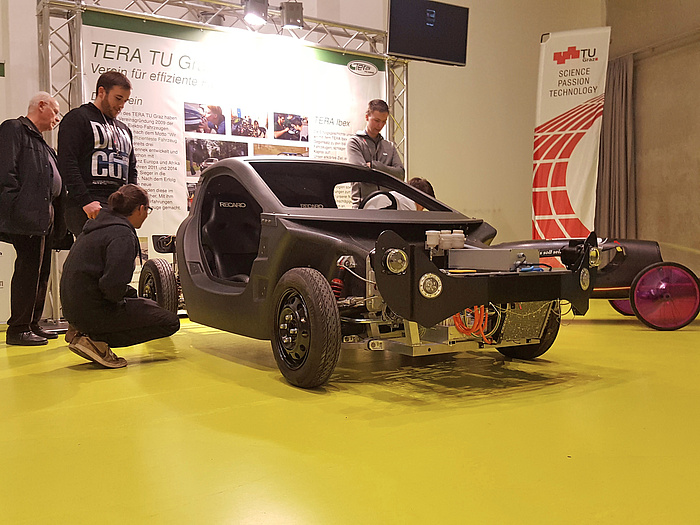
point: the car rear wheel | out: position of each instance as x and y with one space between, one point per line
549 334
158 282
665 296
306 328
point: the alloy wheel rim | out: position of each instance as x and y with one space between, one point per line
293 334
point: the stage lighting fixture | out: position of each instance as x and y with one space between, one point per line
255 12
292 15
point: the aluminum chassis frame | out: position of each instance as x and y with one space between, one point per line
440 339
413 340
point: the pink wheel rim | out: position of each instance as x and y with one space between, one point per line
666 297
622 306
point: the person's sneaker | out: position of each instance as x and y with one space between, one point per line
80 349
71 333
97 351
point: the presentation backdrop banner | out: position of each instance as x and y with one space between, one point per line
201 96
7 263
570 100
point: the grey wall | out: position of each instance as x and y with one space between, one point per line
666 37
20 52
363 13
637 24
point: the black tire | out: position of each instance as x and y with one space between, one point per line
158 282
305 328
532 351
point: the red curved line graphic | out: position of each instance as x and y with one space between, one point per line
554 144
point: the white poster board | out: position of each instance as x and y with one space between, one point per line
200 96
7 261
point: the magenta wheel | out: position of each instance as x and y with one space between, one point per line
665 296
622 306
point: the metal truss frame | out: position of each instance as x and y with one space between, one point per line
397 94
60 43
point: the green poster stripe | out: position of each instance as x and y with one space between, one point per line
193 34
2 69
139 25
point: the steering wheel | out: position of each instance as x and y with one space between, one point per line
394 203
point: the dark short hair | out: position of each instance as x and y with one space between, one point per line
112 78
422 185
127 198
377 105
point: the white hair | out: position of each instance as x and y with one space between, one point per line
41 96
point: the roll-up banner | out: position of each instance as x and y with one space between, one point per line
570 99
203 95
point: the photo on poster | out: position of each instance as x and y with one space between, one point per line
290 126
204 118
246 123
202 153
280 149
143 243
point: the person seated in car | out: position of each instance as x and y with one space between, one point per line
102 310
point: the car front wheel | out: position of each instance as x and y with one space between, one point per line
158 282
549 334
306 328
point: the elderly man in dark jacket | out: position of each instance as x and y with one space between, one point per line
31 193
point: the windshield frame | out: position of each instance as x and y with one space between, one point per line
309 183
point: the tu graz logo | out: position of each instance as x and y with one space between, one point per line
586 55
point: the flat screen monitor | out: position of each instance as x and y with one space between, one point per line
426 30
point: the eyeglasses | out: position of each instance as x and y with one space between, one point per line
149 209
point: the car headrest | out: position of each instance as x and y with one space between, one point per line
227 207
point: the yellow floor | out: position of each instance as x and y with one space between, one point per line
201 428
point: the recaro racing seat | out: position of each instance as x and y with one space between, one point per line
231 230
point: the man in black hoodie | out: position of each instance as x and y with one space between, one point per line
101 307
30 214
95 151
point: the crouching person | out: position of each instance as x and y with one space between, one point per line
102 310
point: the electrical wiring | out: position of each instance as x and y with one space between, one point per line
358 276
479 324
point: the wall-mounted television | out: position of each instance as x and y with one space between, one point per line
427 30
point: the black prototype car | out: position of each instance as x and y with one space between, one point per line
272 250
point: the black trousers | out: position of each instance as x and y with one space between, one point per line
75 216
137 321
75 219
30 280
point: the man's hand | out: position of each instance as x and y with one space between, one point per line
92 209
